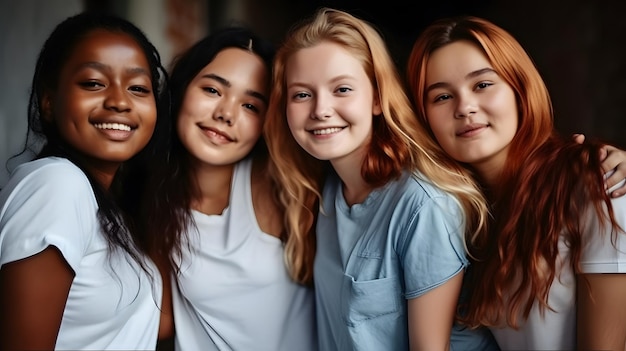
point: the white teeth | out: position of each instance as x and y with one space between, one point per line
115 126
326 131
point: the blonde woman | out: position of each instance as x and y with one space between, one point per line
345 141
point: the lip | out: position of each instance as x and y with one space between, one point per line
471 129
325 131
115 129
217 135
109 123
114 126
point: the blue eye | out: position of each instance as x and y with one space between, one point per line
442 97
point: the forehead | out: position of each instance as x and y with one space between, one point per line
454 59
238 69
237 59
109 47
326 59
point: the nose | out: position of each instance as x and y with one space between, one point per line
226 112
116 99
466 106
322 108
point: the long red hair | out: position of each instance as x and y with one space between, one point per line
545 186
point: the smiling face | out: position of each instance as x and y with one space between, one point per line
103 104
471 110
330 102
221 117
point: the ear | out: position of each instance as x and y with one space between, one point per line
376 109
46 107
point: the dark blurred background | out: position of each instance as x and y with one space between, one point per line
578 45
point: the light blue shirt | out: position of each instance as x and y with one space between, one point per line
404 240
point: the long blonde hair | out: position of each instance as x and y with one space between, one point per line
399 143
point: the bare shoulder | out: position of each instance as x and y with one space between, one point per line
268 213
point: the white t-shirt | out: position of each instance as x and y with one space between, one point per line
234 291
556 330
112 303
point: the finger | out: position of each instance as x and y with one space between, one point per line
614 179
610 157
579 138
620 191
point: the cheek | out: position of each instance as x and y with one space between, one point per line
191 111
253 127
183 124
505 109
191 105
294 116
71 106
443 130
438 125
505 103
149 112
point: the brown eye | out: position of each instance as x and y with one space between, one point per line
211 90
483 85
140 89
90 84
251 107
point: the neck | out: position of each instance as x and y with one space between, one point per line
103 173
490 170
212 188
355 188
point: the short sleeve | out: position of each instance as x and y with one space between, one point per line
47 203
434 250
604 251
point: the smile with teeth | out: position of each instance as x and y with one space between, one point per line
326 131
114 126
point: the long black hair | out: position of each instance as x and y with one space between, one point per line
43 138
168 200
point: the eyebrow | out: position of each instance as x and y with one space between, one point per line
103 67
333 80
470 75
227 83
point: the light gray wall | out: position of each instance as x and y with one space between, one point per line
24 26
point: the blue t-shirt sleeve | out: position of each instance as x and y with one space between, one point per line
51 205
433 249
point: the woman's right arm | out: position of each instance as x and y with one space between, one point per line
601 287
431 316
33 293
601 311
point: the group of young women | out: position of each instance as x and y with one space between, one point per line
306 198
